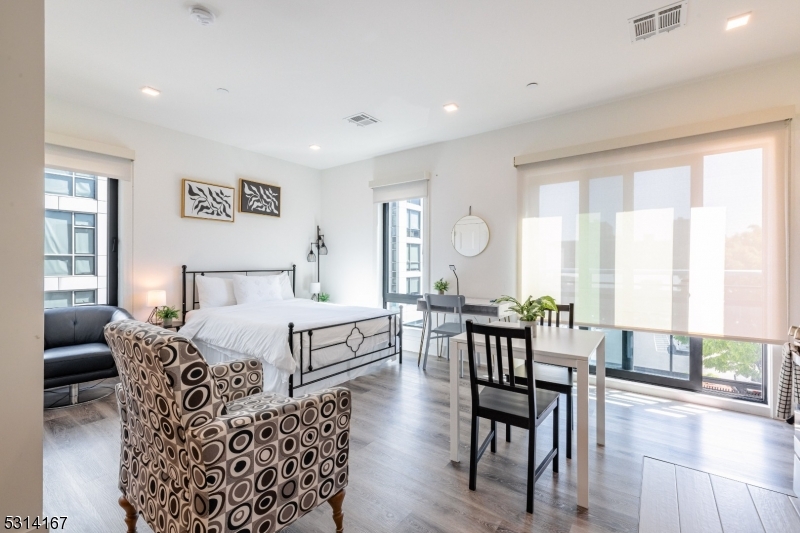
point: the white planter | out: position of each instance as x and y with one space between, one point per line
532 325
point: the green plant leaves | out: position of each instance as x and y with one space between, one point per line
530 310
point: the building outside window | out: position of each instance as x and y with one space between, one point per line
76 244
413 257
414 218
412 285
403 256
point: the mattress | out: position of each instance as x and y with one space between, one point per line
324 334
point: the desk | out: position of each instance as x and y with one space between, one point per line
555 346
471 307
474 307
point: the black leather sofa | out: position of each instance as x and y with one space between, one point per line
75 349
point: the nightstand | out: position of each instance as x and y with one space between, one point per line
176 325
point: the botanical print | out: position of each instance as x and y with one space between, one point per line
259 198
205 200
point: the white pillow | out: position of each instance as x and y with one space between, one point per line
286 286
251 289
215 292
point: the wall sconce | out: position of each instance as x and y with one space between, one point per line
321 250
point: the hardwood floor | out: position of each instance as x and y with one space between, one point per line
401 478
682 500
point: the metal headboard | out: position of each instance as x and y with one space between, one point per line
194 273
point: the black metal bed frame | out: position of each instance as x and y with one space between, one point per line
395 331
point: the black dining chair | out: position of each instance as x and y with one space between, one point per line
550 377
508 402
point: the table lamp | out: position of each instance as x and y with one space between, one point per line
453 268
315 290
155 299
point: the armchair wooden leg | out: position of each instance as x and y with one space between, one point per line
130 514
335 502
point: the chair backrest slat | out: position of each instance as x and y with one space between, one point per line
498 334
488 343
510 353
562 308
500 372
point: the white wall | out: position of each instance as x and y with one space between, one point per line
479 171
162 240
22 242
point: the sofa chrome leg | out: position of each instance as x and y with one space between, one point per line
130 514
73 393
335 502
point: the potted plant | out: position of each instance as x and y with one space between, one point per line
166 314
530 310
324 297
441 286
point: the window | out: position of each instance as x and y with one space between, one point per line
414 218
676 249
63 183
413 256
402 254
69 298
80 239
412 285
69 244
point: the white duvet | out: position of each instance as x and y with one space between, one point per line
261 330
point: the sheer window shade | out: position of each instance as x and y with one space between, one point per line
686 236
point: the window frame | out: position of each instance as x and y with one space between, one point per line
694 383
73 254
389 295
413 232
418 281
409 262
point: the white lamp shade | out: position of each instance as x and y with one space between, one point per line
156 298
315 288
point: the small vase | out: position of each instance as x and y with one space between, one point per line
167 323
530 324
440 291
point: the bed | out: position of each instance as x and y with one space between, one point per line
301 343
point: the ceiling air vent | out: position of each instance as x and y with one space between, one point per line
362 119
644 27
659 21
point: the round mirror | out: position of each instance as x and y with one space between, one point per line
470 236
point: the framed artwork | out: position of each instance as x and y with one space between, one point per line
207 201
259 198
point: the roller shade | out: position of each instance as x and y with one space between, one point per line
686 236
400 188
78 160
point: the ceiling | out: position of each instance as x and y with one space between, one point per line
296 68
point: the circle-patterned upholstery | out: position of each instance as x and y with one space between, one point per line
204 451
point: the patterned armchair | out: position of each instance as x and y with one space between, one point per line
205 451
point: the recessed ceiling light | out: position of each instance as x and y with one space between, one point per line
532 84
150 91
738 21
450 108
314 147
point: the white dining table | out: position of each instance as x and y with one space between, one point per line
556 346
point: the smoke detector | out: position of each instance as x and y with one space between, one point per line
202 16
659 21
362 119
